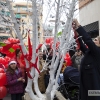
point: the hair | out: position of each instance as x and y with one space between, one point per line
98 38
11 70
17 51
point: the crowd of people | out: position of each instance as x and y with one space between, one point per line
85 64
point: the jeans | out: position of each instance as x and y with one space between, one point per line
17 96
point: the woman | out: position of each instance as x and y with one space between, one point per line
76 59
90 64
15 81
19 60
41 81
18 54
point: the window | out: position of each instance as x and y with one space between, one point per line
24 15
2 30
2 38
18 16
24 8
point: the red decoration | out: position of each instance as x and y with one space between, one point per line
47 41
39 46
2 79
13 40
7 59
3 92
57 44
2 70
15 46
29 47
78 44
68 59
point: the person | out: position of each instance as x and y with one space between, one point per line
18 55
41 81
47 57
90 64
19 59
15 81
76 59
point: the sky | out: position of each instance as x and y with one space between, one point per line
45 10
19 0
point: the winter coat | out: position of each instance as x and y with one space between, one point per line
13 85
76 60
90 66
41 81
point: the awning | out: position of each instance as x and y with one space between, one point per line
92 27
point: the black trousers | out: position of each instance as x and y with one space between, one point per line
17 96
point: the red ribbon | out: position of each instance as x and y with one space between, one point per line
39 46
76 37
28 74
29 57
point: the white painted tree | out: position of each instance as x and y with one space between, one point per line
64 47
66 43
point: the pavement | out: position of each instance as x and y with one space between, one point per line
7 97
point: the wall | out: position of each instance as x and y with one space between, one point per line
90 13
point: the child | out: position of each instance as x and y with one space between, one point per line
15 81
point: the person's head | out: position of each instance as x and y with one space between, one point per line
12 66
48 48
97 41
18 52
79 52
40 55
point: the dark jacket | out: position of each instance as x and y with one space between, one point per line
13 85
90 66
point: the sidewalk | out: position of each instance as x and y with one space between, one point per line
7 97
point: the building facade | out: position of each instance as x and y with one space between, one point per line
89 16
23 13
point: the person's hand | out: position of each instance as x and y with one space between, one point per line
39 76
76 53
23 80
75 24
20 79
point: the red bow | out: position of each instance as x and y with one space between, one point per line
29 57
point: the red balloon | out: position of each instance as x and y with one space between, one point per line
2 60
11 55
15 46
2 70
13 40
3 79
3 92
6 41
7 58
1 48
